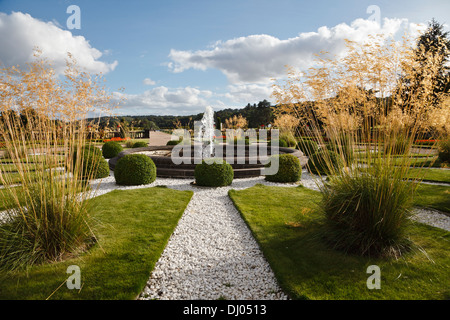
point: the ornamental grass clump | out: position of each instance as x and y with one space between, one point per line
324 162
365 110
368 213
47 215
307 146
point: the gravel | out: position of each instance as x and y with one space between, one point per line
432 217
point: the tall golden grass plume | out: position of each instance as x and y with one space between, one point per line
43 127
368 107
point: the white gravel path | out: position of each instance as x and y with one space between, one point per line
212 253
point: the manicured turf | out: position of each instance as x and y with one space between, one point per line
433 197
133 227
14 177
436 175
287 227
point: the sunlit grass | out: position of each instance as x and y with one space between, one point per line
288 226
132 228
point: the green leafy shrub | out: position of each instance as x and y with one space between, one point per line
93 165
134 169
93 149
324 162
246 140
368 214
174 142
308 147
444 149
214 174
289 170
289 139
129 144
111 149
281 143
140 144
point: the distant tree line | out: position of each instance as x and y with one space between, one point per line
257 115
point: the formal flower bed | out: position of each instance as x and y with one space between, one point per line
427 142
117 139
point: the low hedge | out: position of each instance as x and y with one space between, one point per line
214 174
289 170
134 170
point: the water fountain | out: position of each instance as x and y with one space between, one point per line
205 134
245 160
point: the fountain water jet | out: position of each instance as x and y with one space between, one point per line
205 133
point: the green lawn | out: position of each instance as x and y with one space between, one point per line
133 227
14 177
286 225
436 175
30 159
433 197
414 161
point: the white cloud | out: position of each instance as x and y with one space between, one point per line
259 58
163 101
248 93
149 82
20 33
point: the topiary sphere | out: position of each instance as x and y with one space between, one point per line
321 161
134 170
111 149
289 170
308 147
93 165
214 174
140 144
94 149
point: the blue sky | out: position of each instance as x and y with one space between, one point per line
176 57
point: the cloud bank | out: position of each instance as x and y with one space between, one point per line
163 101
259 58
20 33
